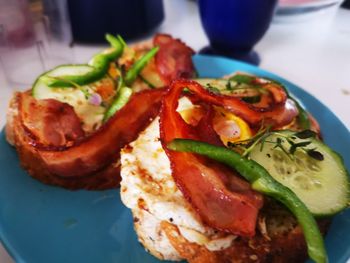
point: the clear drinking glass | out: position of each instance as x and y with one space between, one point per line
35 36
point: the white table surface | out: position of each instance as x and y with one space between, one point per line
313 54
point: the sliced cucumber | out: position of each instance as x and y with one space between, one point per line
40 90
139 65
318 178
152 79
69 95
246 92
69 70
220 84
65 75
150 76
243 78
43 90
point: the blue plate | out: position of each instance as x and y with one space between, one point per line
41 224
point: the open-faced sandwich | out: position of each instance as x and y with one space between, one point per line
68 128
213 170
232 170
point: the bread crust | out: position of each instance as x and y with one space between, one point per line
281 247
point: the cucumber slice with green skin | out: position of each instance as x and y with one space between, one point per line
151 77
41 90
220 84
248 93
138 66
242 78
149 84
323 185
65 75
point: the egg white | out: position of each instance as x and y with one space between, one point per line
149 190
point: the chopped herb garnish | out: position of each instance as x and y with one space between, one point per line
213 89
294 146
261 137
229 85
305 134
252 99
315 154
240 78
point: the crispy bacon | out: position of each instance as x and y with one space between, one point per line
275 96
279 111
95 152
223 201
53 147
50 121
205 130
174 58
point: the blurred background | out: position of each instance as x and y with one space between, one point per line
305 41
293 38
36 35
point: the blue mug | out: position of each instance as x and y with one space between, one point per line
235 26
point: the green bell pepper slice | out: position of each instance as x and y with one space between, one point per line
99 66
122 97
136 68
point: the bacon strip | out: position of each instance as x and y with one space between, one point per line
174 58
279 112
50 121
274 97
205 130
223 201
95 152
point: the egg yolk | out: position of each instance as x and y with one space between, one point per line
230 127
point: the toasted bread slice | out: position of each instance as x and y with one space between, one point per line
279 239
31 162
169 228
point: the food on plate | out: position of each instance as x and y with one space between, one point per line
232 170
213 170
69 127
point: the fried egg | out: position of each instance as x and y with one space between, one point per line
149 190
